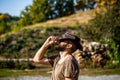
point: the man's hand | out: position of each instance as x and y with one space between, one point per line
51 40
39 56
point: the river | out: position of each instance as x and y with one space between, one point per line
101 77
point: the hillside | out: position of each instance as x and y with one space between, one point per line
79 17
28 40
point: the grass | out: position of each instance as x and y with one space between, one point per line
99 71
1 58
7 72
14 73
79 17
44 72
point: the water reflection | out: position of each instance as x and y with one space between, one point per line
103 77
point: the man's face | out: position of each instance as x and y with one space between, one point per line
61 46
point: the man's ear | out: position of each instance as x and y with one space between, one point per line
69 46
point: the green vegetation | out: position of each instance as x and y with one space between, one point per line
16 65
99 71
40 11
105 28
43 72
5 72
27 41
15 73
7 23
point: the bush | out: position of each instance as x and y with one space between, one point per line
105 28
16 65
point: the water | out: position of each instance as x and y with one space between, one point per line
102 77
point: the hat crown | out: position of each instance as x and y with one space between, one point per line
75 39
68 35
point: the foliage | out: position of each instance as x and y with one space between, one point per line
16 65
26 42
64 7
105 3
85 4
7 22
42 10
105 28
4 27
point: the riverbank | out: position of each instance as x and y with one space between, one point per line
47 72
100 71
100 77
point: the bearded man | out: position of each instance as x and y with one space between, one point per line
65 66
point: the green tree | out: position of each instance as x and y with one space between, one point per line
42 10
37 10
64 7
4 19
7 22
25 17
106 28
85 4
2 27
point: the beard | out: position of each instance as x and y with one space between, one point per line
59 48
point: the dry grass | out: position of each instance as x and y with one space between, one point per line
78 18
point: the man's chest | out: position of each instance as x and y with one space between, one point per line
59 70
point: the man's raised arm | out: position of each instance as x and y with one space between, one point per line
39 56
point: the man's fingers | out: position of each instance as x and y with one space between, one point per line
53 38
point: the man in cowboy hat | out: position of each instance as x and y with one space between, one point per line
65 66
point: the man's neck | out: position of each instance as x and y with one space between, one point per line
64 54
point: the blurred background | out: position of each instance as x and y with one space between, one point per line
26 24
